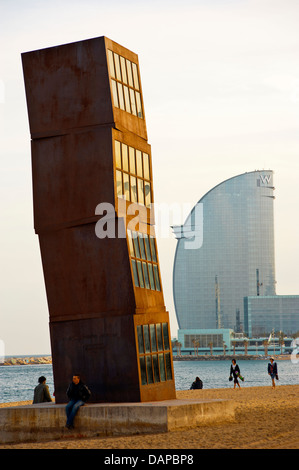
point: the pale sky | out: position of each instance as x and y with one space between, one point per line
220 84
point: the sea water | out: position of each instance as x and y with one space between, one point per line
17 382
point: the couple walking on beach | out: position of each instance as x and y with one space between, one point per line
236 374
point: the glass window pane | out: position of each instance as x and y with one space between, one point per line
123 70
159 336
132 160
143 371
133 189
135 274
141 245
138 105
119 186
121 96
168 366
162 367
165 335
150 378
140 339
156 368
117 153
125 158
117 66
146 171
147 192
157 279
111 64
140 191
146 339
140 274
145 274
151 276
130 243
153 247
136 246
135 75
147 248
126 186
114 93
130 73
127 99
153 338
133 102
139 163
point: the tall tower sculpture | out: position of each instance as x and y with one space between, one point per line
89 149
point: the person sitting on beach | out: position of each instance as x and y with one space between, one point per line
196 384
235 373
41 392
272 371
78 393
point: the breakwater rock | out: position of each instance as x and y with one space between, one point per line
12 361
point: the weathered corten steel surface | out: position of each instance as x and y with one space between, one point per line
95 307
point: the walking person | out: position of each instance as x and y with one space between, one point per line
272 371
41 392
235 373
78 393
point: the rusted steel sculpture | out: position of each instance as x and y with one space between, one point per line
90 153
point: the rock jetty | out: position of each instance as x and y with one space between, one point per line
12 361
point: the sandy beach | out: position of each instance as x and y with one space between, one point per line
265 419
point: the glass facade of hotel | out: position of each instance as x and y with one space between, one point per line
278 313
236 258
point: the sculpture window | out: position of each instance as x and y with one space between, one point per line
154 353
132 174
143 255
125 84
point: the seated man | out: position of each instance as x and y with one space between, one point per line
78 393
41 391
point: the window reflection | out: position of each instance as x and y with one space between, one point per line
146 171
121 96
126 186
111 64
138 104
117 154
130 73
127 99
125 158
119 188
143 256
139 163
155 362
125 84
134 162
133 102
133 189
117 67
140 191
123 70
114 94
135 76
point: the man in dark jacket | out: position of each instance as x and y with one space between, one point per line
41 391
78 393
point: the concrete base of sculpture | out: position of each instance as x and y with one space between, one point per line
45 422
